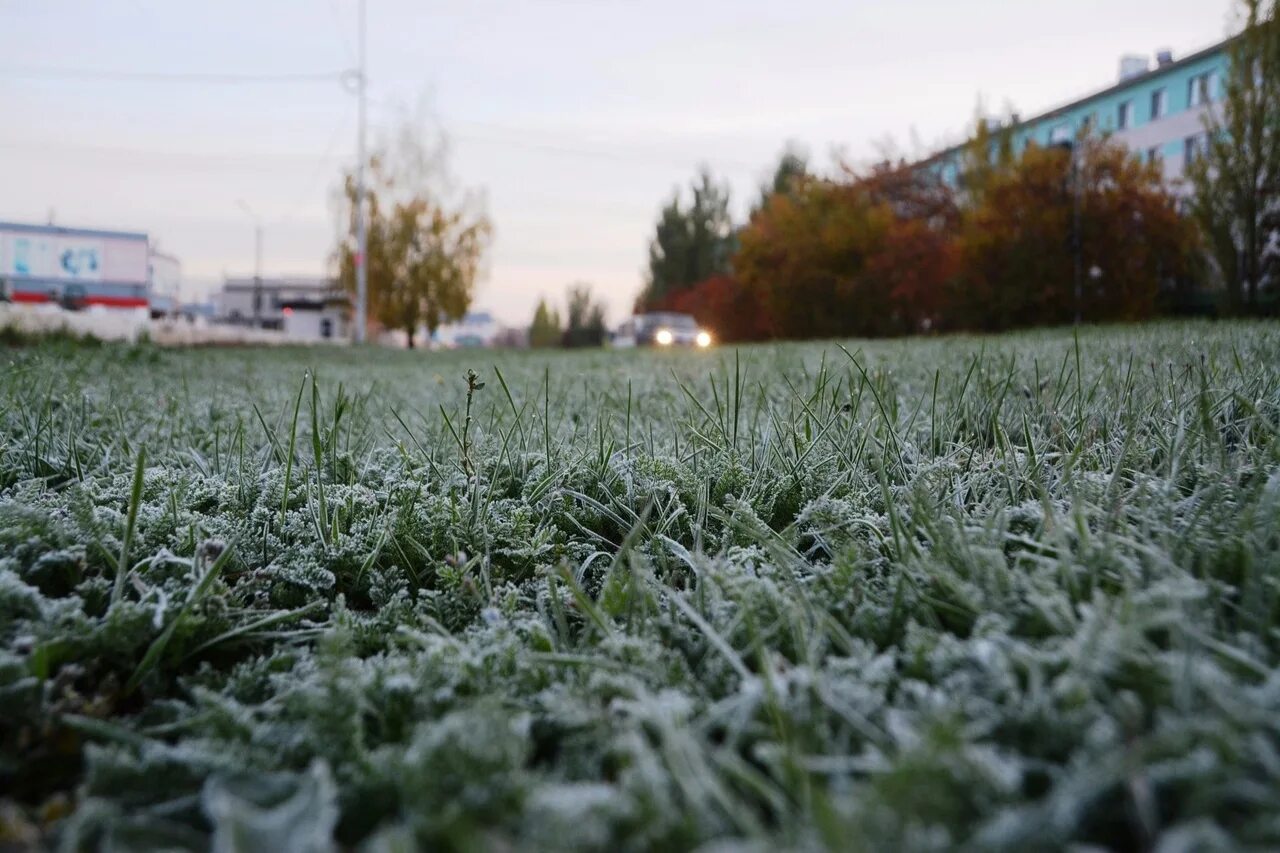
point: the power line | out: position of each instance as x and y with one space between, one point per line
325 162
218 78
271 162
628 154
620 155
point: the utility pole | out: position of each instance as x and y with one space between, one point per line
1077 238
257 273
362 276
257 262
1072 147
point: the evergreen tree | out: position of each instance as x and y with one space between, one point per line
586 326
691 243
545 329
792 168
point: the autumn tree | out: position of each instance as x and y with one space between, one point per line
730 310
545 330
918 258
1017 246
690 243
860 254
425 243
1237 173
988 153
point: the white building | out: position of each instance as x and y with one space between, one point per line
164 274
77 268
305 308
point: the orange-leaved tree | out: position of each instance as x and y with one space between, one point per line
723 305
918 257
1056 231
864 254
425 244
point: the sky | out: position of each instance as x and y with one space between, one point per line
577 119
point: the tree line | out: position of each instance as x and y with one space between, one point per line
583 324
1040 235
1086 230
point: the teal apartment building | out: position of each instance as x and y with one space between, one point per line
1156 108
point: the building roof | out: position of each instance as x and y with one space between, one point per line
1063 109
1136 80
314 303
316 283
28 228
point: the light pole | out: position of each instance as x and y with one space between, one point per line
356 80
1077 239
257 261
362 279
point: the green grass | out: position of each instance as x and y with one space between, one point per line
1009 593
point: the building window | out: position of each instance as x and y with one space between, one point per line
1154 155
1060 133
1200 89
1124 115
1196 147
1159 103
1196 94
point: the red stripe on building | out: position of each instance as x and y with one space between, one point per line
106 301
117 301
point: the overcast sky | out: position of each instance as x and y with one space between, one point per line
578 118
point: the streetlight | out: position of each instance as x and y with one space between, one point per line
257 261
356 81
362 235
1077 238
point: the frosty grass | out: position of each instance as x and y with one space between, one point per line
1011 593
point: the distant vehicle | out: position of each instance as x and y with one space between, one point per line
661 329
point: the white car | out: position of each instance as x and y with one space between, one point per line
661 329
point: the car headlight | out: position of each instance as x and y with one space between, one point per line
704 339
664 337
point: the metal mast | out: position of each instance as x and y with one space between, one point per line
362 278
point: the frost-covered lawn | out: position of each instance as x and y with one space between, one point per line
992 593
